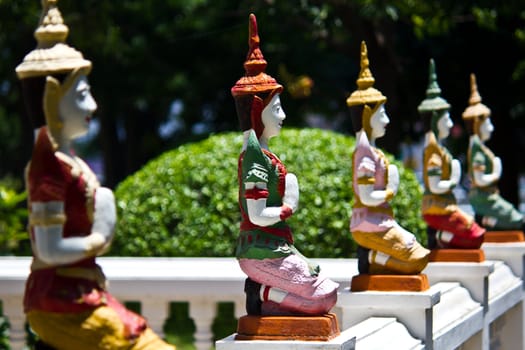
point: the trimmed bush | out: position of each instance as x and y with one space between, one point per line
14 238
184 203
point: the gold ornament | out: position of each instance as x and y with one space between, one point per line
476 108
52 55
365 93
476 111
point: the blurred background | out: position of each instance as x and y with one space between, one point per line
162 71
162 74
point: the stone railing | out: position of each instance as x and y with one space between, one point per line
472 306
155 283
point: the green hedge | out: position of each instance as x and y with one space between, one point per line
184 203
13 218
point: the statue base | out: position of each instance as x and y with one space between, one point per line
311 328
388 283
503 236
512 253
456 255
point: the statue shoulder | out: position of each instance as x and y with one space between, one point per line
255 164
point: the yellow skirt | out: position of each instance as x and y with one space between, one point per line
403 259
92 330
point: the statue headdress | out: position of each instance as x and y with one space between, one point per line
366 95
475 108
52 55
476 112
50 69
433 102
255 82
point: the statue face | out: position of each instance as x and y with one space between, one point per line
378 122
272 117
76 108
444 125
485 129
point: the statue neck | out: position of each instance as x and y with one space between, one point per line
245 136
263 141
61 145
475 137
64 145
371 140
429 135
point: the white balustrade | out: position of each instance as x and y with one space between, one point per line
155 283
204 282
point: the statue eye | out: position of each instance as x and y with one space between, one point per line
83 93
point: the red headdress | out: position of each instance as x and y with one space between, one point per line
255 82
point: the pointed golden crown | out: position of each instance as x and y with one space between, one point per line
52 54
365 93
475 108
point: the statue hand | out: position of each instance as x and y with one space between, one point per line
393 178
95 243
105 215
291 192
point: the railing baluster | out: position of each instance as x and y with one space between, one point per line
12 306
203 311
155 311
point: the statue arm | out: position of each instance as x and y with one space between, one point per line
368 195
373 198
455 173
105 216
393 179
258 212
255 174
52 248
50 245
438 185
291 192
497 168
483 179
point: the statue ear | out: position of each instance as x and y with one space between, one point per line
256 115
52 96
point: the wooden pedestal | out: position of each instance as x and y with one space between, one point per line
503 236
312 328
456 255
389 283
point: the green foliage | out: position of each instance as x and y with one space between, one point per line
147 53
225 322
4 331
179 327
184 203
13 216
4 334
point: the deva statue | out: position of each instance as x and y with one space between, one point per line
281 281
384 247
484 168
71 217
448 225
